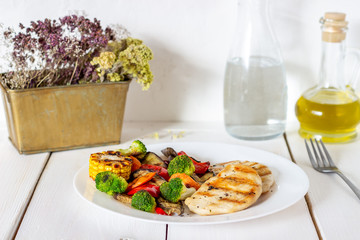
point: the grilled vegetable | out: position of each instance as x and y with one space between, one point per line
160 211
123 198
142 200
152 189
175 190
206 176
141 172
110 183
187 180
169 207
169 152
153 159
156 180
136 163
141 180
196 178
181 164
109 161
200 167
136 149
162 172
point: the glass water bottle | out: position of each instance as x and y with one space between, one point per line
255 90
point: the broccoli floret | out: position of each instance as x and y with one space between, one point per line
110 183
181 164
142 200
175 190
137 149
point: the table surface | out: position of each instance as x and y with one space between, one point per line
38 200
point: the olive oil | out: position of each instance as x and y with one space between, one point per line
333 121
331 109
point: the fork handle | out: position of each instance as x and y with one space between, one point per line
351 185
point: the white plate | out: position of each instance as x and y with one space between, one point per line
291 184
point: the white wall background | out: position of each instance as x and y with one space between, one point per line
190 40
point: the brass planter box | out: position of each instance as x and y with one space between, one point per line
65 117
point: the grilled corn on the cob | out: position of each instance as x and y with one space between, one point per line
110 161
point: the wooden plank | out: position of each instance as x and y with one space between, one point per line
20 174
336 208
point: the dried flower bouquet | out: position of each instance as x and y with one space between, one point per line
72 50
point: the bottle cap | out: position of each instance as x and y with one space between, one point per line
334 27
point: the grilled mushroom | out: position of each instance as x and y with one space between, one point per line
196 178
206 176
169 152
123 198
169 207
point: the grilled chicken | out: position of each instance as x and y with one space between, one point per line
235 188
217 168
265 173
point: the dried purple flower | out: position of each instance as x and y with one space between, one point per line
55 52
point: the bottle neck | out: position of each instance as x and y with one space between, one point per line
251 7
253 16
253 35
332 65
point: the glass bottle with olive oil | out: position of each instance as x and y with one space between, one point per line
330 110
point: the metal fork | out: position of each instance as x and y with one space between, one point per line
325 164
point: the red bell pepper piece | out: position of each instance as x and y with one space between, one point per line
160 211
200 167
162 172
152 189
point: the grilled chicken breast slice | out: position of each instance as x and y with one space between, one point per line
264 172
217 168
235 188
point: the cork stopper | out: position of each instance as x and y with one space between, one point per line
335 16
334 27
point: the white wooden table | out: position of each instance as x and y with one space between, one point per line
38 201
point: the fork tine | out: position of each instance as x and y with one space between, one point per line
319 163
324 160
310 155
332 164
